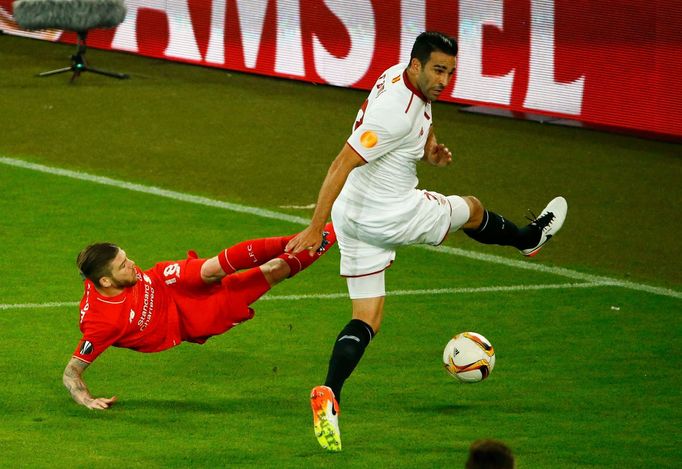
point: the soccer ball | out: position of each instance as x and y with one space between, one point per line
469 357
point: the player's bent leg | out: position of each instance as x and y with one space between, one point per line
476 212
244 255
256 252
495 229
275 270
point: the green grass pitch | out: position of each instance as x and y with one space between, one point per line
587 375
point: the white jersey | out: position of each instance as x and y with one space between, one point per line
389 134
379 207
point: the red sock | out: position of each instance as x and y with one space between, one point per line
252 253
303 259
251 284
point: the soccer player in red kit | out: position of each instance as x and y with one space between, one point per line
189 300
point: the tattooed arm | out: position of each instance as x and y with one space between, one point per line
79 391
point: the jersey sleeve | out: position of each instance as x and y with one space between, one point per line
97 337
378 133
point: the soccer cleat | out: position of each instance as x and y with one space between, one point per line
326 418
549 222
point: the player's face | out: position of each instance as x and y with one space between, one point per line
122 271
436 74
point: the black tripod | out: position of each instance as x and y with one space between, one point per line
80 65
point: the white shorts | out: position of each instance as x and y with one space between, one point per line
368 236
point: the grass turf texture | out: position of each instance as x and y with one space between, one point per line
577 383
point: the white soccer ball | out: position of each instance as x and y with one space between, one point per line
469 357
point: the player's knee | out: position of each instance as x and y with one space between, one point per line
476 210
371 317
211 271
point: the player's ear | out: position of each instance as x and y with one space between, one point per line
415 65
104 282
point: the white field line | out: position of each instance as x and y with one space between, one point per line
327 296
527 264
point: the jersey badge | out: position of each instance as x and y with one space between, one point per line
396 79
132 315
368 139
86 348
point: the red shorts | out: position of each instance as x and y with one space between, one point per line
205 310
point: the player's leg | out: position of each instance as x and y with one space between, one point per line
488 227
353 339
367 295
250 253
255 282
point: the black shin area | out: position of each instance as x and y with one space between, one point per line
496 229
348 350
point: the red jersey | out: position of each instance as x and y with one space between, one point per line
141 318
169 304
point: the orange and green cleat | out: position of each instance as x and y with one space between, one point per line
326 418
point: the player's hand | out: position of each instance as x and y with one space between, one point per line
440 155
101 403
309 239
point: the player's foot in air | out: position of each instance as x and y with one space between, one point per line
549 222
326 418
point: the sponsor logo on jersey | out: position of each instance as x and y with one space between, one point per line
86 348
132 315
396 79
368 139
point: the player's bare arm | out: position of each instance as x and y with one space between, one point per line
311 237
436 153
73 381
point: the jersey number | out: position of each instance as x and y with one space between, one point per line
361 115
172 270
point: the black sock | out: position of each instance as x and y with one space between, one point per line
495 229
348 349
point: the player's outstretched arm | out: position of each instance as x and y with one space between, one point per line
73 381
436 153
311 237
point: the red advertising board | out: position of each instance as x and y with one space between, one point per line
604 62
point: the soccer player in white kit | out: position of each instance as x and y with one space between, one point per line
370 193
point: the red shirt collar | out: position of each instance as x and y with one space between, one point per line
412 88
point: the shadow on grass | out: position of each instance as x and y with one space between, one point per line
237 405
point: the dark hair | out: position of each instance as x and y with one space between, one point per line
489 454
94 262
430 41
